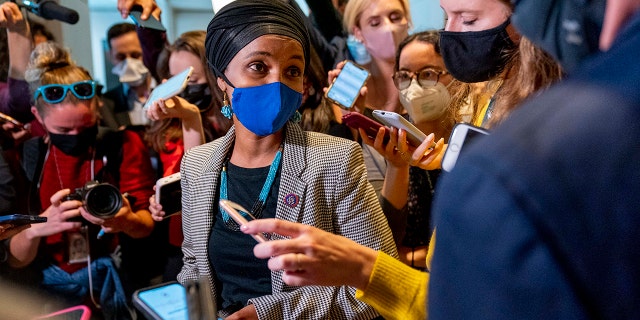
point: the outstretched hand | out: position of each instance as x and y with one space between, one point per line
312 256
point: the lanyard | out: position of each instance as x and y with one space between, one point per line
259 204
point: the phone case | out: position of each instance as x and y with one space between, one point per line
170 88
20 219
80 312
232 209
461 135
345 89
169 194
359 121
151 22
163 301
392 119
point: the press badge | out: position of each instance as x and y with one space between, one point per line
78 246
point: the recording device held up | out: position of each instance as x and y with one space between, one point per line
102 200
50 10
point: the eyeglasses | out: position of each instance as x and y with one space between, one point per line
55 93
426 77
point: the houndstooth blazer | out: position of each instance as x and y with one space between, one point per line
323 184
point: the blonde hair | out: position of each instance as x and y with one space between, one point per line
51 64
353 12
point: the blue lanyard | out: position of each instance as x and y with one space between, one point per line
258 206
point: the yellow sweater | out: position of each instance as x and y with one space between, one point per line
396 290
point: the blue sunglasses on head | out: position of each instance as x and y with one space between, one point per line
55 93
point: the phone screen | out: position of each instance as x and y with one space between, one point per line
346 88
168 302
170 88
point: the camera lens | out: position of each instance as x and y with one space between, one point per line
103 200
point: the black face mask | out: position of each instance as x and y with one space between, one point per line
75 144
476 56
198 94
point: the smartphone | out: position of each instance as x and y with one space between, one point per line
21 219
461 135
166 301
346 88
170 88
169 194
6 118
151 22
357 120
392 119
232 209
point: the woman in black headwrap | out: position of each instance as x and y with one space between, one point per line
258 50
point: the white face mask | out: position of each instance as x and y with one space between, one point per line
131 71
424 104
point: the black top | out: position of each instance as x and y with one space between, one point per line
239 273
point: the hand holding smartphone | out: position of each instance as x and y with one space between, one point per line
169 194
6 118
345 89
240 215
151 22
169 88
461 135
392 119
357 120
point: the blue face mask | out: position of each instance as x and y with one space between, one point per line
265 109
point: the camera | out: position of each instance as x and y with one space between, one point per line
102 200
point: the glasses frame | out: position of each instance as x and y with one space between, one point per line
414 75
66 88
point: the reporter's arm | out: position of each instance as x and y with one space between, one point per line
396 290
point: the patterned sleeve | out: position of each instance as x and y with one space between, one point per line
189 268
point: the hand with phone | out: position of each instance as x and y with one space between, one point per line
147 8
348 86
167 200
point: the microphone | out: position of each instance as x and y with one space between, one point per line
49 9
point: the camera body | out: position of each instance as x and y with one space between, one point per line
102 200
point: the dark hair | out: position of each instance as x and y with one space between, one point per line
118 30
429 36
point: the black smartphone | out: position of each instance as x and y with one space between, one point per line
161 302
461 135
151 22
169 194
346 88
21 219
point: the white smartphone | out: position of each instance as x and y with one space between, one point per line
392 119
461 135
240 215
170 88
169 194
166 301
346 88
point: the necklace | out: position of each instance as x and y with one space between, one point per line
88 175
258 205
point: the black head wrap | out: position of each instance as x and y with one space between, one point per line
242 21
